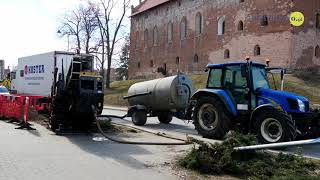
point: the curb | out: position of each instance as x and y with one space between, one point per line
116 108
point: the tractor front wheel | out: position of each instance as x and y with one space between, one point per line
274 126
210 118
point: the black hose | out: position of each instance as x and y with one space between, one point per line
137 142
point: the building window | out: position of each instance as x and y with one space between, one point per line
221 26
151 63
198 23
317 52
146 38
264 21
257 50
178 60
240 26
170 31
137 45
139 64
155 36
227 54
196 58
318 20
183 28
241 1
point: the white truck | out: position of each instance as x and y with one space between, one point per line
69 82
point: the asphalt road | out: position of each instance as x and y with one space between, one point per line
181 128
40 154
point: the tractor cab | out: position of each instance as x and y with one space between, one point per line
240 83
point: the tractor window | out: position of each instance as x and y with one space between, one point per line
260 79
214 80
87 84
233 78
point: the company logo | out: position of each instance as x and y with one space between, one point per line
37 69
297 19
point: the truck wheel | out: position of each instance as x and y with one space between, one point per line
165 118
139 118
210 118
53 123
274 126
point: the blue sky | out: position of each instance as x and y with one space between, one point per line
29 27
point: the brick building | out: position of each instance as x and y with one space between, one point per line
189 34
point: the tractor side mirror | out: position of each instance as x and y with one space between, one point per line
243 70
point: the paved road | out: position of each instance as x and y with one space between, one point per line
42 155
180 128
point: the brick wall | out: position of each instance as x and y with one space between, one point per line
276 40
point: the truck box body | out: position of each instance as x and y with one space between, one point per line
35 74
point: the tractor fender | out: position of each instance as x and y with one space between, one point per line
135 108
220 94
259 109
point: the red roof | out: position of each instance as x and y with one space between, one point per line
146 5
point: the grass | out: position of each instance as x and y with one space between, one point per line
221 159
304 85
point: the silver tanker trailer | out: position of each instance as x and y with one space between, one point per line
162 98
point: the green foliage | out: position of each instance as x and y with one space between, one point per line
222 159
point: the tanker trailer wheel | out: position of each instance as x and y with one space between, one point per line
210 118
274 126
139 118
165 118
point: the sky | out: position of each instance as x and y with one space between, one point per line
30 27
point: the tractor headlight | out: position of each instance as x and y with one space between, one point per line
302 106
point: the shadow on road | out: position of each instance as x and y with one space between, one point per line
108 150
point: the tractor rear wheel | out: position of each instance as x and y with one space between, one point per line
139 118
165 118
274 126
210 118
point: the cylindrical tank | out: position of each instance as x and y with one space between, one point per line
165 94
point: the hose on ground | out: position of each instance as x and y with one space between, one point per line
184 142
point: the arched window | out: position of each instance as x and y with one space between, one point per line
227 54
146 38
318 20
264 21
170 31
257 50
317 52
198 23
240 26
137 45
183 28
221 26
151 63
196 58
178 60
155 36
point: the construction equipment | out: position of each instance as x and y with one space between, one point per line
238 96
162 98
67 82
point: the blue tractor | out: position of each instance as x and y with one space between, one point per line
238 96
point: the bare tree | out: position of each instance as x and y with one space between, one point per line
110 27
